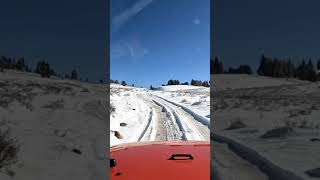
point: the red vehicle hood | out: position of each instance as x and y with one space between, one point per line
170 160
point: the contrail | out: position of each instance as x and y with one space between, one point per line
123 17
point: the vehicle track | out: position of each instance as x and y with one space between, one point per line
174 123
162 122
188 122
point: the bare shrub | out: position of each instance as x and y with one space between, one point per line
8 150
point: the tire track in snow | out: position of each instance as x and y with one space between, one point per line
172 130
167 121
197 117
186 122
147 129
158 126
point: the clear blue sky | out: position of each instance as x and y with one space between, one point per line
245 29
67 33
153 41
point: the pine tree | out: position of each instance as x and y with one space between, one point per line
261 70
20 64
123 83
192 82
217 66
74 74
43 68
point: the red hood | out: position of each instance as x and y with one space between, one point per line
150 160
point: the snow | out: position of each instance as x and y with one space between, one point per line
239 81
263 104
179 88
195 98
129 109
158 114
51 117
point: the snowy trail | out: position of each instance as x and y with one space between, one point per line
187 125
188 121
171 122
143 115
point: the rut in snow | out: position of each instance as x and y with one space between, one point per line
172 122
186 122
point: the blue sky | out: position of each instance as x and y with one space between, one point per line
153 41
69 34
245 29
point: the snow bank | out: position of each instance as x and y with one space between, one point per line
180 87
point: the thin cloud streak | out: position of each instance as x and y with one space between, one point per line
118 21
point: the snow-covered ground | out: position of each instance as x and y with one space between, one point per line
278 118
60 127
170 113
195 98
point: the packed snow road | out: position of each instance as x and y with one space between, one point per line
143 115
171 122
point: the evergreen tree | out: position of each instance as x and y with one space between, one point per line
261 70
291 69
311 76
205 84
123 83
192 82
217 66
43 68
20 64
74 74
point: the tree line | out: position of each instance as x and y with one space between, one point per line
123 83
285 68
43 68
192 83
216 67
169 83
273 67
